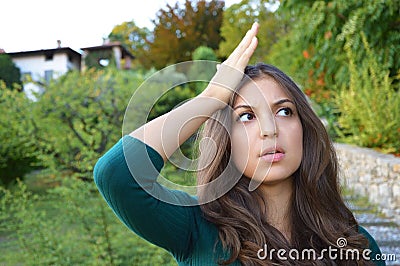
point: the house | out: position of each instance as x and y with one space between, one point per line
40 66
103 55
44 65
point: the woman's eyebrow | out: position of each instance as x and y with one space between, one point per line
279 102
243 106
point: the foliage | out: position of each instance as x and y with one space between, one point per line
69 225
370 104
134 38
200 73
94 59
76 120
184 28
204 53
17 149
80 116
313 50
239 17
9 72
170 100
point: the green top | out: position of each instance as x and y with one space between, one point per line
181 230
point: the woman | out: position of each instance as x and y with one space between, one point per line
286 200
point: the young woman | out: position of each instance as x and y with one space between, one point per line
284 209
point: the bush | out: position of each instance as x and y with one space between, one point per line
9 72
69 225
17 149
204 53
79 117
370 106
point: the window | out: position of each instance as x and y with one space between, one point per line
49 56
48 75
26 76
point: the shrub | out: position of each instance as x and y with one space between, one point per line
79 117
70 225
370 105
17 149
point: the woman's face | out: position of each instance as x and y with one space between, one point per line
267 135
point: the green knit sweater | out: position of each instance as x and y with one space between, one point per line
181 230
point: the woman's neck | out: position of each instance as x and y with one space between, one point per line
278 201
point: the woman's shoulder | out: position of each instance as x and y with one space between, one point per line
375 252
370 238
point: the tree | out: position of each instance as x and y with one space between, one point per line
369 105
17 149
322 34
313 51
79 117
179 30
204 53
9 72
239 17
202 73
134 38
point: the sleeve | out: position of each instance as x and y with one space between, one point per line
376 253
126 177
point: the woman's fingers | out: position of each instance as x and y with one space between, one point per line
246 55
246 41
230 72
245 47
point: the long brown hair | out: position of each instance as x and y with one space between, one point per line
318 214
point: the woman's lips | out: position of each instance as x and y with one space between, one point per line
273 157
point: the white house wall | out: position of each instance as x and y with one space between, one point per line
36 65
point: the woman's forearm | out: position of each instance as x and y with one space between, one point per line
167 132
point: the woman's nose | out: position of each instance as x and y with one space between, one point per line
268 127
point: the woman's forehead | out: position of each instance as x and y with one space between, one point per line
261 90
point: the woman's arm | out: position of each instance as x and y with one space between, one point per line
166 133
126 175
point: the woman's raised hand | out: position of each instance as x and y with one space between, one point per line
230 72
167 132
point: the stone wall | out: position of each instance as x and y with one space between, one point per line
372 174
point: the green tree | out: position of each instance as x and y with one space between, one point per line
369 105
17 149
202 73
239 17
134 38
9 72
80 116
179 30
204 53
313 51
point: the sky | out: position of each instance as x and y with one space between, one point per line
27 25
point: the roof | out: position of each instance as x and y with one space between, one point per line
107 46
65 50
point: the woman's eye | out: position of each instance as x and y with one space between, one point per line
246 117
285 112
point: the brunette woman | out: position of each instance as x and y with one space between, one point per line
284 207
